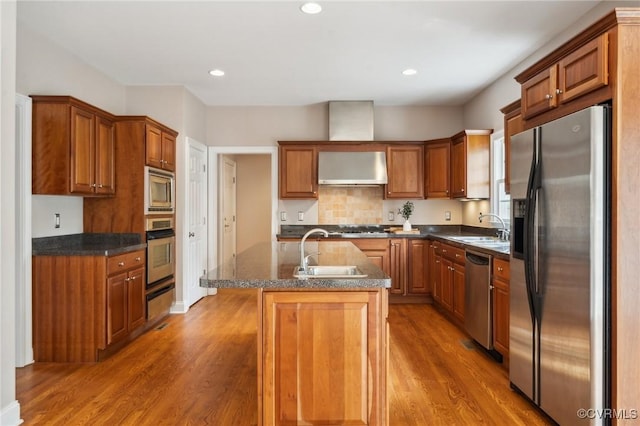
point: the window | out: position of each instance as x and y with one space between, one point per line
500 201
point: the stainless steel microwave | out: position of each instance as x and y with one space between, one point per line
159 191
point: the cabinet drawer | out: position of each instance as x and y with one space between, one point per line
501 269
125 261
454 254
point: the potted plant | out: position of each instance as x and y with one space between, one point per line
405 211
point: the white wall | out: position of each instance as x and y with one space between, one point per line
9 406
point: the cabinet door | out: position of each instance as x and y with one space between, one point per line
323 357
105 156
168 152
377 250
459 168
136 300
82 151
298 172
501 316
437 170
584 70
418 282
539 92
434 271
446 281
153 147
405 168
457 274
117 307
397 266
512 125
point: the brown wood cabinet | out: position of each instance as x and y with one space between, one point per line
298 171
437 169
434 273
73 148
500 282
322 357
84 304
405 169
160 148
470 160
124 212
447 274
398 265
578 73
418 266
512 125
377 250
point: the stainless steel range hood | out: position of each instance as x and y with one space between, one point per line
352 168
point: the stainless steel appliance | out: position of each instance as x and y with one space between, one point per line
560 278
352 168
160 266
160 250
478 313
159 191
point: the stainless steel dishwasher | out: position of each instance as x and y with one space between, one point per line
477 298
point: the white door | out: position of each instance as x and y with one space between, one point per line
228 216
196 213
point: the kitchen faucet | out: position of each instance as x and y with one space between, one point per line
303 259
503 233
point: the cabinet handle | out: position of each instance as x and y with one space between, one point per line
500 269
444 250
138 259
437 261
93 185
462 190
133 278
100 186
547 96
120 264
558 91
127 279
457 255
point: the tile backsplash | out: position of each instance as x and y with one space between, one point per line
350 205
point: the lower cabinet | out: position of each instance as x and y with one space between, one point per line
500 282
322 357
82 305
447 273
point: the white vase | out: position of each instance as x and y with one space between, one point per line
406 226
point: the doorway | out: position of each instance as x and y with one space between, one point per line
256 198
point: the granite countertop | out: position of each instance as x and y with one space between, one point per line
271 265
441 233
87 244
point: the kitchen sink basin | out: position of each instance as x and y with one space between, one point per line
329 271
471 239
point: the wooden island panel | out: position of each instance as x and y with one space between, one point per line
323 357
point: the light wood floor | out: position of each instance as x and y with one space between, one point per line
200 368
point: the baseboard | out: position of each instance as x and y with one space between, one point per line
179 307
10 414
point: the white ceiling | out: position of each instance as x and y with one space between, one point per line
275 55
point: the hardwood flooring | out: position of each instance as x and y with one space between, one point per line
200 368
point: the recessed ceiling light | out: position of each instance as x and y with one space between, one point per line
216 73
311 8
409 71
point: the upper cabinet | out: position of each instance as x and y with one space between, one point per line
437 182
580 72
405 169
160 148
298 171
470 155
512 125
73 148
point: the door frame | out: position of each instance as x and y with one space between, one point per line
226 160
214 191
190 142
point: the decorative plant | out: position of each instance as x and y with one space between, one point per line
406 210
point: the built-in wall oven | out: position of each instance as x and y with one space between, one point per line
160 265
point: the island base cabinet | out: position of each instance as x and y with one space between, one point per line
322 357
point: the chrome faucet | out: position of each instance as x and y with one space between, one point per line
304 260
503 233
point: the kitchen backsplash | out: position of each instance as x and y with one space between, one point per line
352 205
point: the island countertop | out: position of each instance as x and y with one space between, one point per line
271 265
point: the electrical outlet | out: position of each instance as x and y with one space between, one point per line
283 216
391 216
300 216
447 215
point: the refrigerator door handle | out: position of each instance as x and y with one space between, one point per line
529 234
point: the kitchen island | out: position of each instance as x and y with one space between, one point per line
322 342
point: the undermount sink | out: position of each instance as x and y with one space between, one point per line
472 239
329 271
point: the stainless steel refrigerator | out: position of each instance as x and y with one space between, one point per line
560 285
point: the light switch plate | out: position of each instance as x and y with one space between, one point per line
300 216
447 215
57 220
283 216
391 216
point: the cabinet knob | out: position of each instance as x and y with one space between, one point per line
138 259
457 255
127 279
462 190
500 269
558 91
444 250
193 234
100 186
120 264
93 185
133 278
547 96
